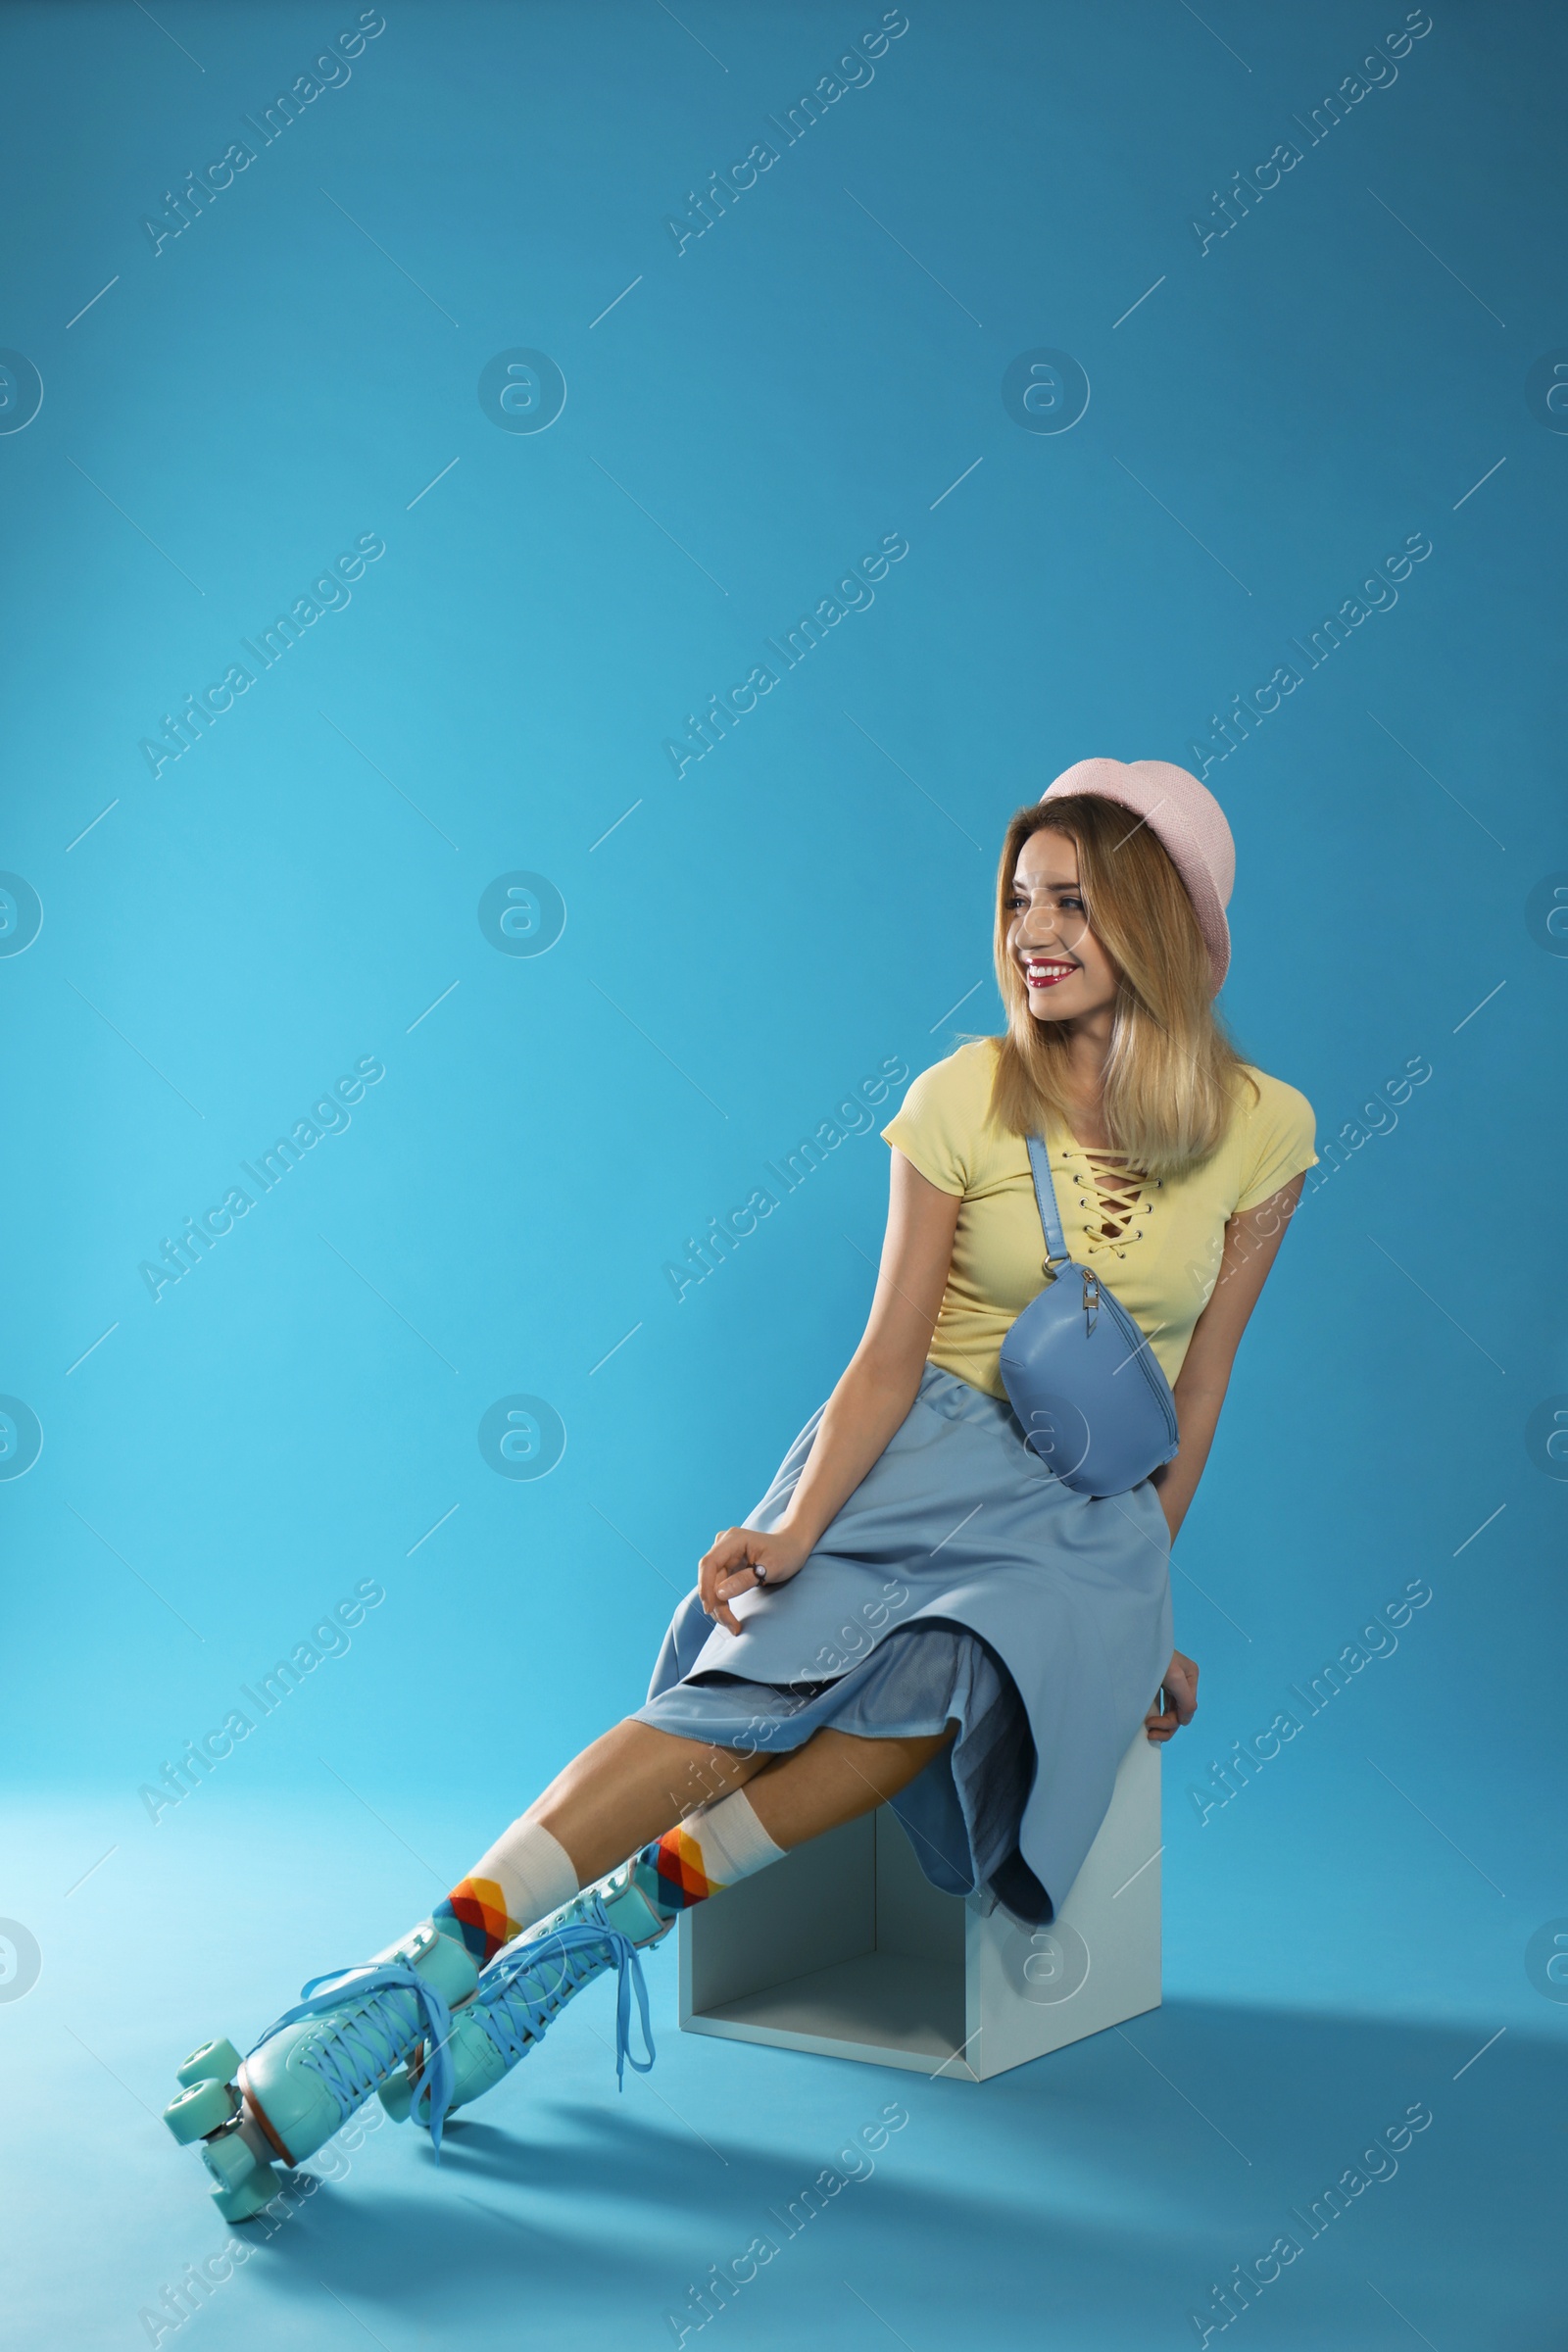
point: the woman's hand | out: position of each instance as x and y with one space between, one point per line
1177 1702
730 1568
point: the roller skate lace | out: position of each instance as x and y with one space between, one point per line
518 1996
396 2010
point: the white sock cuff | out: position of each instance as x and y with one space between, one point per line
733 1842
533 1870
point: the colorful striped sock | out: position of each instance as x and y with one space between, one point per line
710 1848
525 1875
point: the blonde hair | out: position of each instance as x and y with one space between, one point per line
1173 1078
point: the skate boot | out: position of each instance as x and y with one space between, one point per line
317 2064
526 1986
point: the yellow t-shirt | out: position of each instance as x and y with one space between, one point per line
1163 1263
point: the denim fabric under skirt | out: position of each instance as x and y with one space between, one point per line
1037 1619
962 1814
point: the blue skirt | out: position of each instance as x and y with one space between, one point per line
961 1581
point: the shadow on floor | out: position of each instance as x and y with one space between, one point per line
1097 2196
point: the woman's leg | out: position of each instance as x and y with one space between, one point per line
760 1807
631 1793
630 1785
836 1777
608 1804
635 1782
681 1810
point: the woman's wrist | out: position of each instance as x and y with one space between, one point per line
798 1538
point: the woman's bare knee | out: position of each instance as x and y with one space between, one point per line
630 1785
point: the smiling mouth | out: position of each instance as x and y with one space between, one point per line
1045 972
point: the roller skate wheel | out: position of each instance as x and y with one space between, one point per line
242 2203
231 2162
198 2109
213 2062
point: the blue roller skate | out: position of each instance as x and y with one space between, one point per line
350 2032
527 1987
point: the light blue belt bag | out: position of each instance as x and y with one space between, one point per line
1084 1382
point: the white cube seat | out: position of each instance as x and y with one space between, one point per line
847 1949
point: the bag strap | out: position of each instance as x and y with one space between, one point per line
1046 1202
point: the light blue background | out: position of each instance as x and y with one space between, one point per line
748 942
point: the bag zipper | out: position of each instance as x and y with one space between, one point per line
1131 1332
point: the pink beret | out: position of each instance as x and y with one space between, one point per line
1190 824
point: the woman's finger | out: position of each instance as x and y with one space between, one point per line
715 1605
1176 1702
719 1607
1179 1690
719 1555
718 1577
742 1578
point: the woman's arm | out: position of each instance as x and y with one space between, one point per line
1251 1244
870 1400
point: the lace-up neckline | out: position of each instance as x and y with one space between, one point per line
1116 1200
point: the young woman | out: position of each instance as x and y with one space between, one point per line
920 1610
